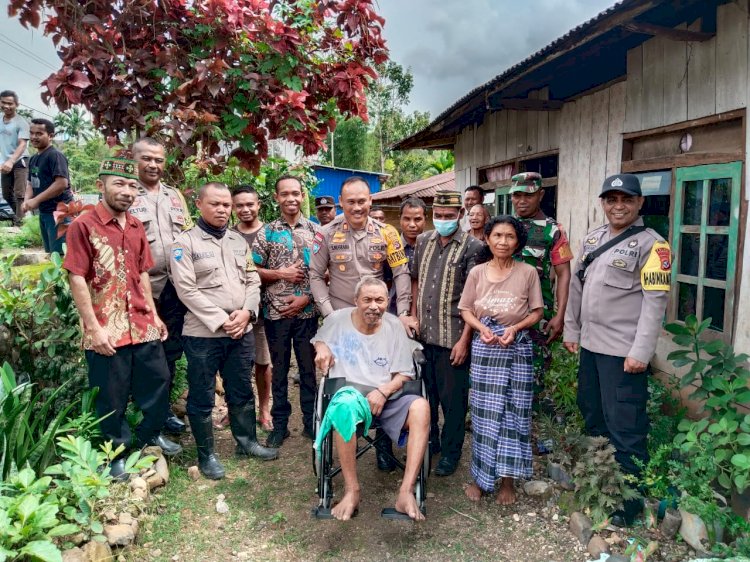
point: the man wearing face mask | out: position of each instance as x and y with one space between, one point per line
442 260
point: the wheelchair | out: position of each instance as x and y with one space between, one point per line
323 463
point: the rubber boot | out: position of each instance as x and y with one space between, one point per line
242 422
203 433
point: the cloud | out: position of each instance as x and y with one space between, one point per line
454 46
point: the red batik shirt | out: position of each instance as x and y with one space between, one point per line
111 259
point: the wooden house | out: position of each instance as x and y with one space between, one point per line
653 87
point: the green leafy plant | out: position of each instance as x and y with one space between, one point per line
561 383
655 480
664 412
30 235
720 375
601 487
27 429
568 443
29 519
82 480
43 322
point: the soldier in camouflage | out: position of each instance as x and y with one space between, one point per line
547 249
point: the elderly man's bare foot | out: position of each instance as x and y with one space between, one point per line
407 503
345 509
473 492
507 494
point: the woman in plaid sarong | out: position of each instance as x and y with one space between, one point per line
501 299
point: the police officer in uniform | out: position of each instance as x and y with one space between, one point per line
325 210
618 296
164 213
214 274
353 246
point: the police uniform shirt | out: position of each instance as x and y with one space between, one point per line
164 215
620 307
349 255
213 277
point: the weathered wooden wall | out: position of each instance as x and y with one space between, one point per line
502 136
673 81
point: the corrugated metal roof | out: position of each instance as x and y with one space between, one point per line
570 37
427 187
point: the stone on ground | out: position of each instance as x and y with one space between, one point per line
119 535
537 488
95 551
581 527
597 546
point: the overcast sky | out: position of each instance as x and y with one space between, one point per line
451 46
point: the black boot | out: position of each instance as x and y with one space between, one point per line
385 447
169 448
203 433
242 422
174 424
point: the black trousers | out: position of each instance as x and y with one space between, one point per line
233 359
140 370
282 335
613 405
172 312
447 386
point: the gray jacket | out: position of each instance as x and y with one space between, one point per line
620 307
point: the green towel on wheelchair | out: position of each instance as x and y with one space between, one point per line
347 408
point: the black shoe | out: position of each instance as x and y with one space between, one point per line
385 463
384 452
117 470
446 467
242 422
276 438
174 425
203 433
169 448
309 433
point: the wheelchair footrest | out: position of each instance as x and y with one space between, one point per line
392 513
321 513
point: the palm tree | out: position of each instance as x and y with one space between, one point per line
74 124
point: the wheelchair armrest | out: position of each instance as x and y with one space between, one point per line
419 357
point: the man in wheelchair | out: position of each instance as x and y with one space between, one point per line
371 349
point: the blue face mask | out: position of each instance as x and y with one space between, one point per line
445 228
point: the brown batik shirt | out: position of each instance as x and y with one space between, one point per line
440 272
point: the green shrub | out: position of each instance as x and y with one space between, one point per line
30 235
27 428
601 487
561 383
43 323
29 519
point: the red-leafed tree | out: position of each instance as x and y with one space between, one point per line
212 73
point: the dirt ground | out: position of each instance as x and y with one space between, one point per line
269 515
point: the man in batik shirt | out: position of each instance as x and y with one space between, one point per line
108 259
547 249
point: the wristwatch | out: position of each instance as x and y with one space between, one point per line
404 313
253 317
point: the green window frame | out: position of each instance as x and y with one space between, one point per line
705 242
503 204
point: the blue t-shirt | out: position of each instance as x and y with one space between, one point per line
44 167
10 132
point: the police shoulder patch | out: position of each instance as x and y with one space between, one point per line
656 274
177 254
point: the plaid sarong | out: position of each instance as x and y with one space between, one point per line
501 396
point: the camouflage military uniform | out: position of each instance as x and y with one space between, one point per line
546 247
